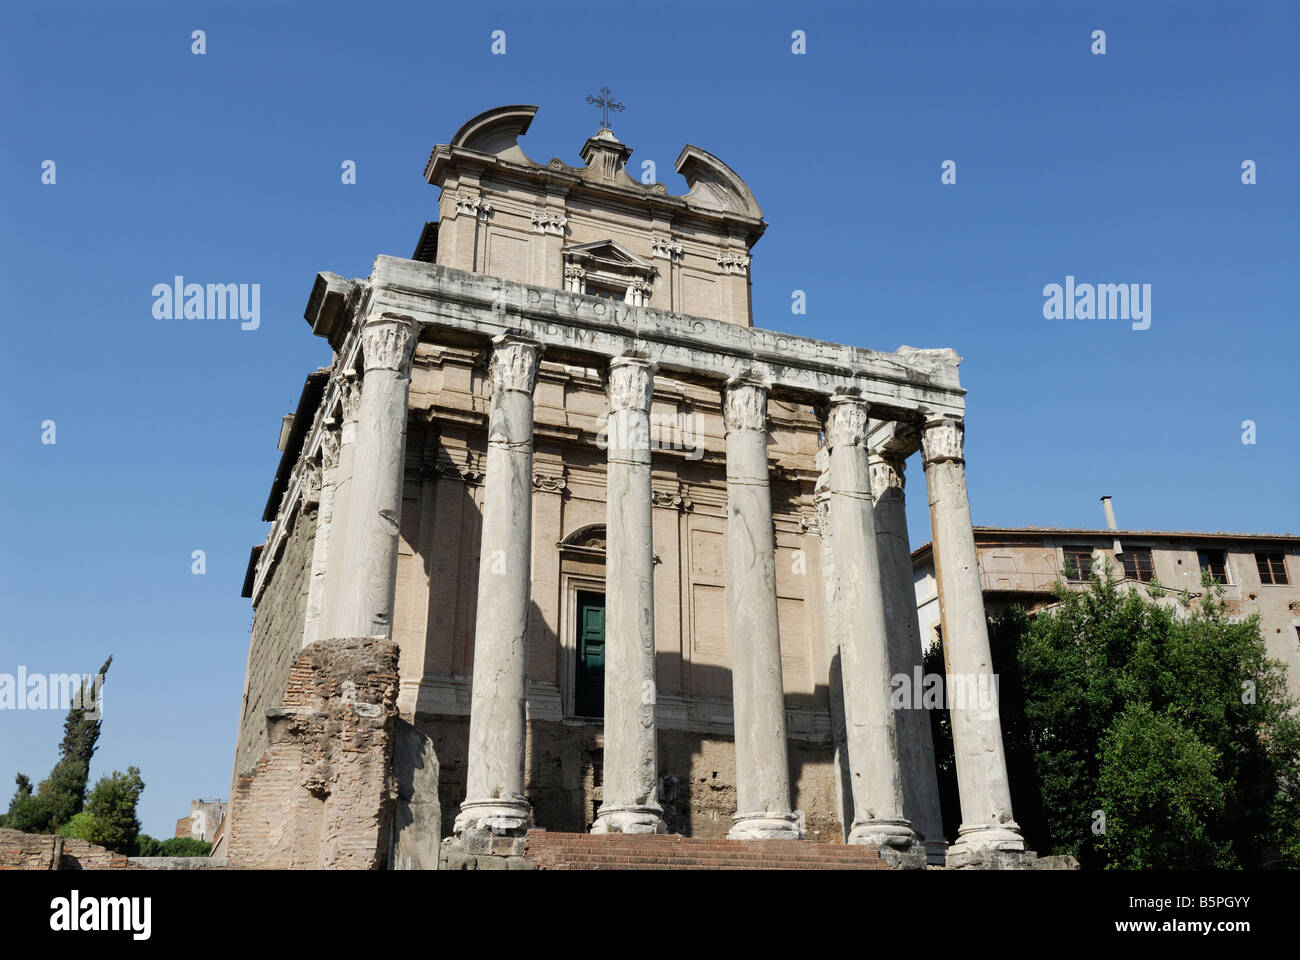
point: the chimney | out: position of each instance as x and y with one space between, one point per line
1110 523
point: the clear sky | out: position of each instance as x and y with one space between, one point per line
225 167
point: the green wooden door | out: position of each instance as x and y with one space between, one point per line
590 699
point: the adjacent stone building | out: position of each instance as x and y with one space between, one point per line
204 820
644 566
1019 566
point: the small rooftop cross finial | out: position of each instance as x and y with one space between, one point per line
606 103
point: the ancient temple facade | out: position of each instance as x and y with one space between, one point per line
640 565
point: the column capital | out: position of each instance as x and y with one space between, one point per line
514 364
388 343
744 404
309 491
329 443
631 383
942 440
887 472
847 422
350 396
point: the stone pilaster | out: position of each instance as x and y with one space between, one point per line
989 834
758 695
494 797
349 408
631 778
915 740
375 500
870 720
329 453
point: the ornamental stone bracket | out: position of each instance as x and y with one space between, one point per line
547 221
733 263
479 207
666 248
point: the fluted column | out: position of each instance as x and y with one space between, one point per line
375 500
631 777
494 797
314 620
987 825
870 720
915 739
758 695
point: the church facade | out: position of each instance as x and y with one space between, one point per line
640 566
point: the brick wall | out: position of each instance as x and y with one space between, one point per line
322 795
43 851
278 623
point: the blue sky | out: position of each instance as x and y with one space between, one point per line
225 167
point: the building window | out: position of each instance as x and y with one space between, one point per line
1272 567
1138 565
1078 563
605 293
1216 562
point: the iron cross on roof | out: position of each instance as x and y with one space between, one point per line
606 103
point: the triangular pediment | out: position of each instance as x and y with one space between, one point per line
609 252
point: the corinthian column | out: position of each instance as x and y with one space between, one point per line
870 720
375 500
915 740
631 777
987 827
494 796
758 694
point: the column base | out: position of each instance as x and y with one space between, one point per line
936 852
629 819
765 826
502 817
990 846
899 845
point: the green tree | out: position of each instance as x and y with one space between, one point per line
1169 719
111 811
62 794
1144 731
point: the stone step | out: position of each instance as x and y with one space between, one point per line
582 851
670 852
